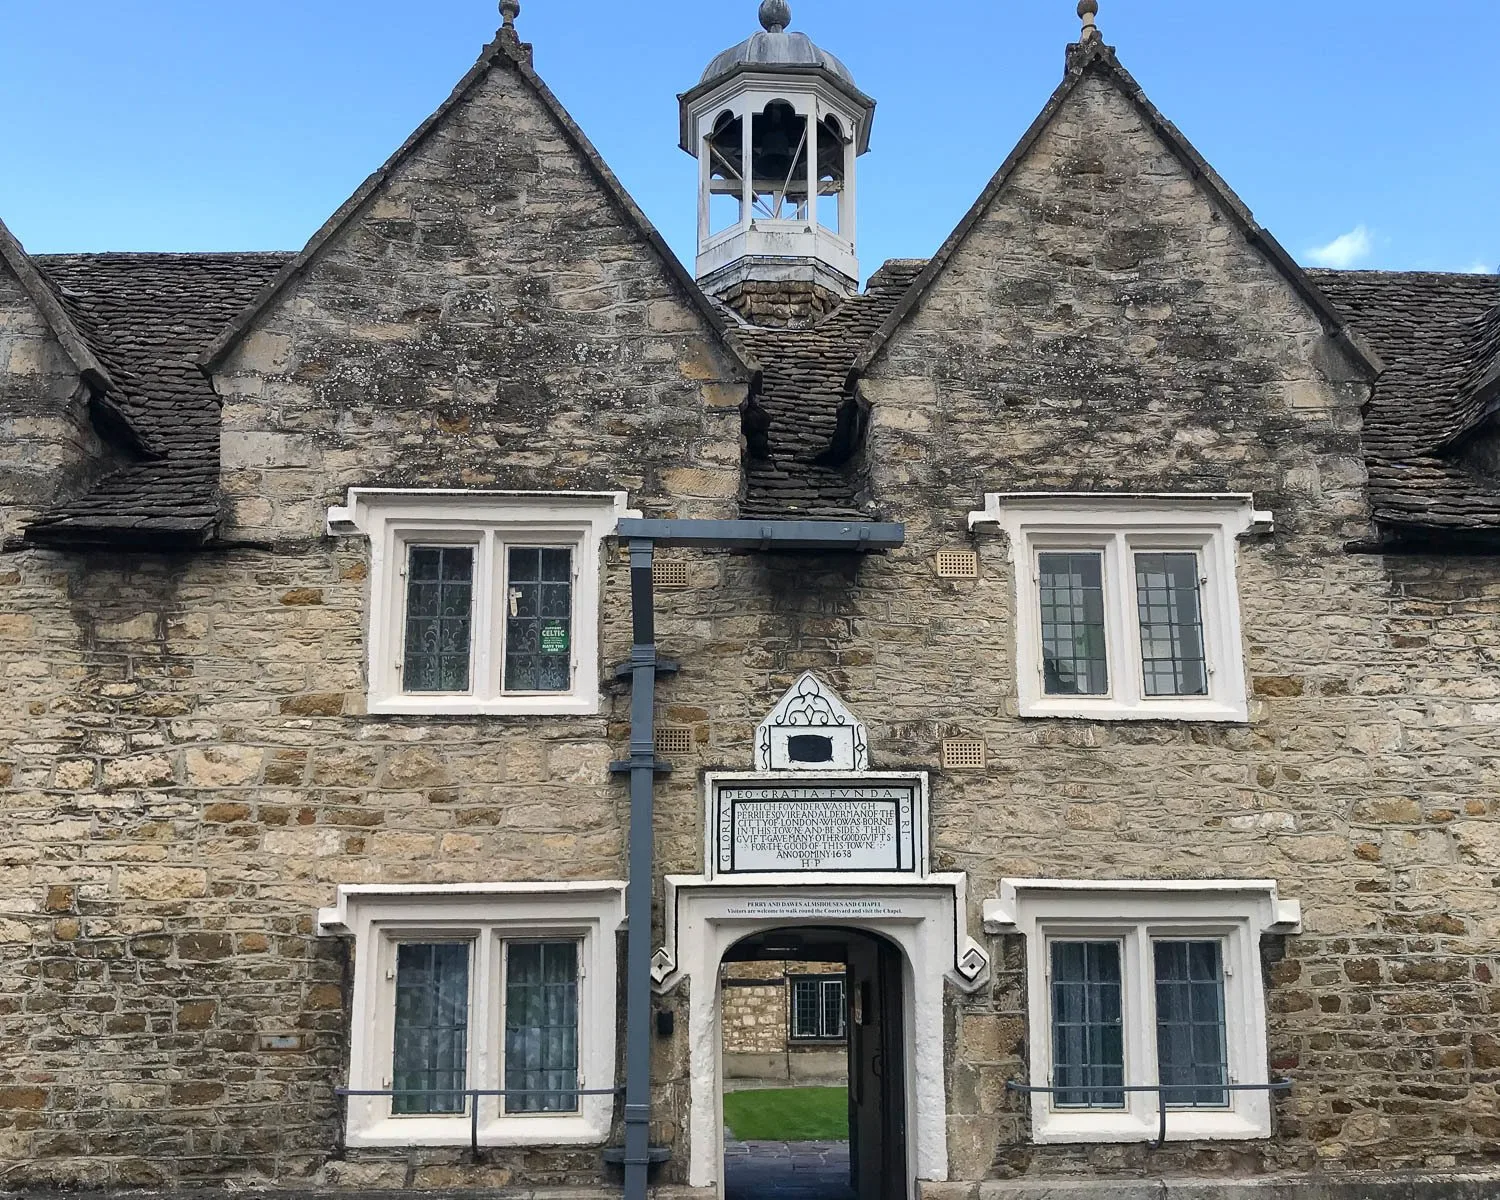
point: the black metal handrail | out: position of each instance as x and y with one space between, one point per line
474 1094
1280 1085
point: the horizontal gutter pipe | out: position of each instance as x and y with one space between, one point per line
829 536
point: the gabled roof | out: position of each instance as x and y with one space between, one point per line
152 315
1095 57
81 344
504 49
794 469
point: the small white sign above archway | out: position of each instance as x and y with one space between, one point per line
811 729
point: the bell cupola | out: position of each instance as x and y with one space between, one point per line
776 125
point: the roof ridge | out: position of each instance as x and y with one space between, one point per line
135 255
1477 278
517 55
1081 59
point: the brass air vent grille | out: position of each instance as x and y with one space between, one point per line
674 741
957 564
963 754
669 574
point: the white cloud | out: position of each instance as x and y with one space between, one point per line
1478 267
1345 251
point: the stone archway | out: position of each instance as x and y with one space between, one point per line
924 919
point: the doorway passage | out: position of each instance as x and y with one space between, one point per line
812 1050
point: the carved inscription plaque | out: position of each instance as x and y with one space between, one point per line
776 827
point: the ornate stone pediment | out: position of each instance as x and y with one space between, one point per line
811 729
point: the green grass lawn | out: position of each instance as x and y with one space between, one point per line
811 1114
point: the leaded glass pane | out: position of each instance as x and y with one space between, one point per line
439 618
833 1008
1088 1047
541 1027
805 1008
1173 662
539 619
430 1056
1190 1024
1072 601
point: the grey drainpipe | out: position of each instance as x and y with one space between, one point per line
643 536
638 893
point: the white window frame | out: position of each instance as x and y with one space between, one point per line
380 917
395 520
1135 913
1118 527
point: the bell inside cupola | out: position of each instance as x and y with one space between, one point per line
776 124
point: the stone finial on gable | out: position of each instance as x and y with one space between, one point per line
509 11
811 729
1087 11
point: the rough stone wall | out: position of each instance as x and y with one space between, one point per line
754 1020
784 304
757 1019
488 319
44 426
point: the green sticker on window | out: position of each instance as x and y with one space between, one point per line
554 639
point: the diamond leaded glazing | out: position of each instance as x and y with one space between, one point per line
539 619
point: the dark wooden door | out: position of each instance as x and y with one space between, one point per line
877 1080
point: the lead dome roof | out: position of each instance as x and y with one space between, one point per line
775 47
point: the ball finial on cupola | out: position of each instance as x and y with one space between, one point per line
1087 11
509 11
775 15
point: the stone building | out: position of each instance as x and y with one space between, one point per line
784 1023
1086 637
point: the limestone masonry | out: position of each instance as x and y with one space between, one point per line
191 778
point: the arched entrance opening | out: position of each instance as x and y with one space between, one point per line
814 1044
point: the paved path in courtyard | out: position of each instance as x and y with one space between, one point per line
786 1171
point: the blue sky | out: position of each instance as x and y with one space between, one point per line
1364 129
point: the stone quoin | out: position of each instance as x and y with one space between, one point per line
460 678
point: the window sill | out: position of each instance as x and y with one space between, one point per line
1074 708
562 1130
561 705
1183 1125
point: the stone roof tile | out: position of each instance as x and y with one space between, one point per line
804 390
1439 337
149 317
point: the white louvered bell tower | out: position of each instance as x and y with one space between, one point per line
777 125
